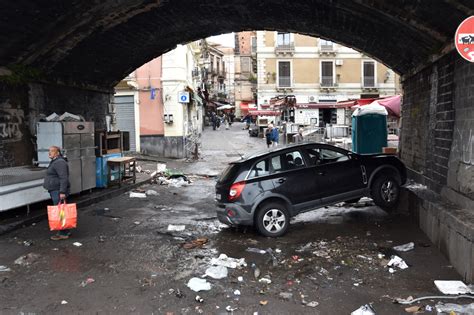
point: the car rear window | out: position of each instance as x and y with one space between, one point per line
229 173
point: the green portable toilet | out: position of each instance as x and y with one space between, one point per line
369 129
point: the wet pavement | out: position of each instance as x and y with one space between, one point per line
330 261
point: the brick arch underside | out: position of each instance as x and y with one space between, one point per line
86 43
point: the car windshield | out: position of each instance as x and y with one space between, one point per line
229 173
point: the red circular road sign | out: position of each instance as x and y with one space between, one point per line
464 39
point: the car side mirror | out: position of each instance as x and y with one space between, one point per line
352 156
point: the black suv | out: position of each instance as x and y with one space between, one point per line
266 189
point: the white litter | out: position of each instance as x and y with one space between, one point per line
364 310
224 260
312 304
137 222
397 262
77 244
63 302
4 269
278 251
391 270
217 272
450 308
160 167
151 192
137 195
178 182
198 284
236 292
177 228
265 280
230 309
452 287
240 279
405 247
255 250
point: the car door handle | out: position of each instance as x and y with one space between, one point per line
281 180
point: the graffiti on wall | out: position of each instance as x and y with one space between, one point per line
462 146
11 123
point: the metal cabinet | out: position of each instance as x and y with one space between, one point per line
77 141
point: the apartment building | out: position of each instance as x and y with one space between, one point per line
245 83
319 73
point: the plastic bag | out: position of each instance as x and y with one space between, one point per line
62 217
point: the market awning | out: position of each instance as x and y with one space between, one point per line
264 113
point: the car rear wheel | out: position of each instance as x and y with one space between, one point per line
386 192
273 219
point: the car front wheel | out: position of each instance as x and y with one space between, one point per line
273 220
386 192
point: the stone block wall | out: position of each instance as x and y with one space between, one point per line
437 128
169 147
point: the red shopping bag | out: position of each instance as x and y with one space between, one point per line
62 217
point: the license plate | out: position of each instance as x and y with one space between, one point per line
218 196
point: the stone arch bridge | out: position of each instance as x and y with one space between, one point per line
67 55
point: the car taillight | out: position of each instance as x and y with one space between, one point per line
236 190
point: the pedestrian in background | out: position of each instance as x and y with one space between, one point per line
268 135
57 183
275 136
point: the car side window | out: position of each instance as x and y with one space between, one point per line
314 156
331 156
260 169
287 161
320 156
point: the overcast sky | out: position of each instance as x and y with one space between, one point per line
226 40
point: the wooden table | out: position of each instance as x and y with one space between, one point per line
127 170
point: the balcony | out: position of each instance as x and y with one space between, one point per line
327 81
284 81
369 84
284 49
327 50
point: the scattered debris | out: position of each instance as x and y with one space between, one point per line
178 182
77 244
411 300
217 272
413 309
101 238
237 292
228 262
27 243
255 250
405 247
312 304
230 309
161 167
137 222
200 242
199 299
256 270
63 302
240 279
286 295
278 251
151 192
4 269
179 294
366 309
264 302
87 281
451 308
198 284
176 228
265 280
428 308
452 287
27 260
137 195
396 261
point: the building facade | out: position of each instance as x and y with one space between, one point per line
319 73
167 126
245 83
